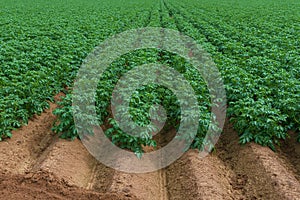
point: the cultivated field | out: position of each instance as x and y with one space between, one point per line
255 46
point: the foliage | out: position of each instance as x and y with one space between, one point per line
254 44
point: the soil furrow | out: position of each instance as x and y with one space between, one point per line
145 186
43 185
258 173
102 178
283 179
92 178
290 152
192 177
35 163
28 143
70 161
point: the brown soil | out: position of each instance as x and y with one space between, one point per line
256 172
43 185
36 164
194 178
290 152
20 153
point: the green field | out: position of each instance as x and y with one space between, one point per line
255 45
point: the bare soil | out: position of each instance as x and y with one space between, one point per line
290 152
256 172
43 185
36 164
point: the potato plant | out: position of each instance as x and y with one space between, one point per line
255 46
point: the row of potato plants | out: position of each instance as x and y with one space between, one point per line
65 123
41 48
144 97
262 104
40 55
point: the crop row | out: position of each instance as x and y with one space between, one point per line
262 85
42 46
255 50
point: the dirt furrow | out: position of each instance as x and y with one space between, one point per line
290 152
101 178
146 186
278 172
192 177
20 153
43 185
35 163
69 160
256 172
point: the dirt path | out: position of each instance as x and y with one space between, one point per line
36 164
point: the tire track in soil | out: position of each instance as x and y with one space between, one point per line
101 178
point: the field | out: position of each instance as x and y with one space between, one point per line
254 45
